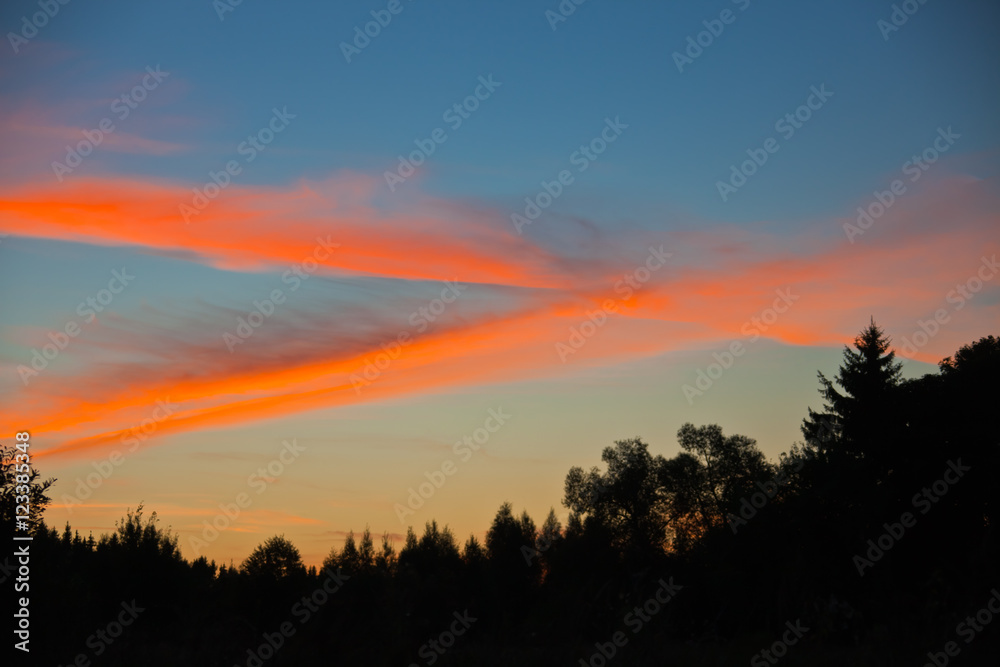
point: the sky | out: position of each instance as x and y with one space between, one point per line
301 268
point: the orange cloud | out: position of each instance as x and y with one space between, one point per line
256 228
529 300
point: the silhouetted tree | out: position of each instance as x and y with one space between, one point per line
551 532
504 535
410 545
510 548
950 416
349 559
628 499
548 543
134 536
18 478
366 552
331 561
971 382
385 560
473 553
276 558
439 544
854 423
435 549
708 480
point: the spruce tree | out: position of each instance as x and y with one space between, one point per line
858 417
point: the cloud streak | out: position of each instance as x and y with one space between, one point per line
525 297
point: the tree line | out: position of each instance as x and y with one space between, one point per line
876 532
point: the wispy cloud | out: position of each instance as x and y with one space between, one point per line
524 298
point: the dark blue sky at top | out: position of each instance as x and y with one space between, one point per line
606 60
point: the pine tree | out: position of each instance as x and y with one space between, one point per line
366 551
473 553
551 530
385 560
349 559
331 561
860 416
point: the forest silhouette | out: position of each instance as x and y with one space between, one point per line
867 543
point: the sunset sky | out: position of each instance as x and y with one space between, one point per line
211 221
